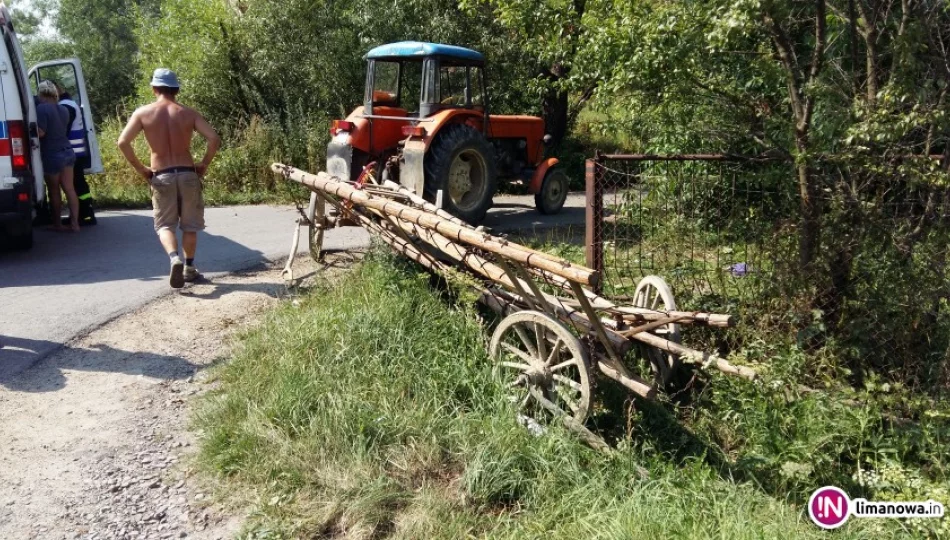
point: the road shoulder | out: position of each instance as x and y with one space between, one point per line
95 436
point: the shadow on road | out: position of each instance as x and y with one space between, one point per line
48 376
122 246
512 216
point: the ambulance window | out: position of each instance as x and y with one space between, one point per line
62 74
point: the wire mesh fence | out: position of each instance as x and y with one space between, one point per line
726 233
695 218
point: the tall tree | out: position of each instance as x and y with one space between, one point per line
799 78
29 16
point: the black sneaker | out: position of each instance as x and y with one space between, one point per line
192 274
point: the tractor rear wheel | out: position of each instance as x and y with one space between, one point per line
461 163
553 192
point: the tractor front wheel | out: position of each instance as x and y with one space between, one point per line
553 192
461 163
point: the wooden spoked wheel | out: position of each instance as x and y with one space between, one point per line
654 293
316 215
544 365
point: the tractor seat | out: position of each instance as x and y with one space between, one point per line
453 101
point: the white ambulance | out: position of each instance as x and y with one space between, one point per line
21 170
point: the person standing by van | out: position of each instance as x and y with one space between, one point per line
52 121
77 138
174 177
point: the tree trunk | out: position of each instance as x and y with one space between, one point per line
555 108
809 236
802 103
872 68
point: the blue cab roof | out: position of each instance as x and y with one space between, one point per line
418 49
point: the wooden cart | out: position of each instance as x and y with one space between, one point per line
556 335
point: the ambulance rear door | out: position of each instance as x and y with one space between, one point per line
68 73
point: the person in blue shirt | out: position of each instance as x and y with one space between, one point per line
57 153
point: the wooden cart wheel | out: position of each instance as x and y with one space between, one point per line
316 215
544 362
654 293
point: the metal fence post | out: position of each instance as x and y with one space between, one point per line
593 241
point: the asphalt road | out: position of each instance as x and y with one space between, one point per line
69 284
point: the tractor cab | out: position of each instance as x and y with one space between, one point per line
424 78
424 123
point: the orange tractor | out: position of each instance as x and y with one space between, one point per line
425 124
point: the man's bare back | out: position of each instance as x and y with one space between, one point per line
169 127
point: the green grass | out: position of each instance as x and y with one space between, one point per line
369 410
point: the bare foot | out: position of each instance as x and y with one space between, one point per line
56 228
74 227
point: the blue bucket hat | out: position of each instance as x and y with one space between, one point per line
165 77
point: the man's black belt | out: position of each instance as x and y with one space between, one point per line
175 170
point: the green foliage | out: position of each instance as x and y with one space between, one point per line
689 77
38 50
189 38
792 440
28 16
101 33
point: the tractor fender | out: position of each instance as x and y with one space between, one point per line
340 156
447 117
538 177
411 172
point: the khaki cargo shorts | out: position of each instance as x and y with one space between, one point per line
177 201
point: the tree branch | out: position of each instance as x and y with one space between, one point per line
786 54
868 30
581 101
817 59
905 17
818 55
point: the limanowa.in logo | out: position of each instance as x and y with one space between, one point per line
830 507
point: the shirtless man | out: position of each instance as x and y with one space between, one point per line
174 176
